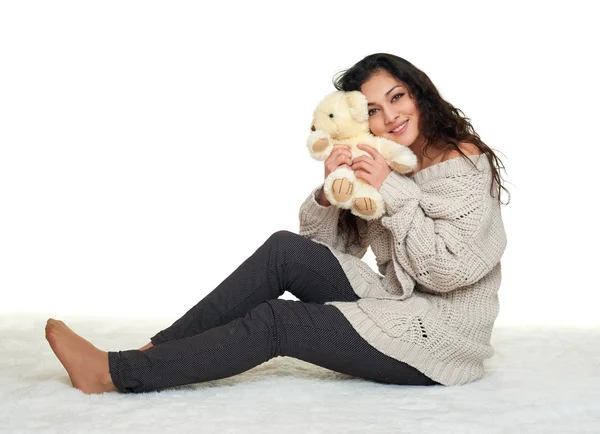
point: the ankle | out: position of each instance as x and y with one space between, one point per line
106 383
148 345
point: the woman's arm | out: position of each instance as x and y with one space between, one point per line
319 222
446 234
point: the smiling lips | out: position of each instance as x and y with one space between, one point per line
400 128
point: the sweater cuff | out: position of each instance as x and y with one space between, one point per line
317 211
397 190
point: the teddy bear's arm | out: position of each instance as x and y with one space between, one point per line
319 145
400 158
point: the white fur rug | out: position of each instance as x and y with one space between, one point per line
539 381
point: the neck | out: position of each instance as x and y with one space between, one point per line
433 154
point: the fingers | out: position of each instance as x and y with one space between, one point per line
373 170
340 156
372 152
364 175
341 149
365 170
366 163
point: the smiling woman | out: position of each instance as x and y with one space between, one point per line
438 248
394 114
425 320
406 107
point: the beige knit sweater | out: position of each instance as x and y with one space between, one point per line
438 249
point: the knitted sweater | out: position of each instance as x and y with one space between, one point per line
438 250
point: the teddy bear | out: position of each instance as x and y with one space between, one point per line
342 118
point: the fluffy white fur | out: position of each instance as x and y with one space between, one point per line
342 118
313 138
539 381
342 172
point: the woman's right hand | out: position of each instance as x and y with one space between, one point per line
340 156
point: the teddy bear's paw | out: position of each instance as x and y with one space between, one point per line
368 204
400 168
342 190
339 187
364 206
403 160
319 145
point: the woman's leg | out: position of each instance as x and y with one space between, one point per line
286 261
316 333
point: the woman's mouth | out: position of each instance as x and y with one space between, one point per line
400 128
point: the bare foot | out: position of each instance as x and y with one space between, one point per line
148 345
86 365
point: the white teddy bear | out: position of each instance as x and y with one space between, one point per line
342 118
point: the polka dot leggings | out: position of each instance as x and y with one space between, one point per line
242 324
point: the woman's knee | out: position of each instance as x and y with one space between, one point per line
284 237
266 316
291 242
277 315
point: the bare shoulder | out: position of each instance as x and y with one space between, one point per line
466 148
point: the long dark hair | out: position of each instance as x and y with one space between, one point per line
441 124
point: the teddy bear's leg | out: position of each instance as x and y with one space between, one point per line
339 187
368 203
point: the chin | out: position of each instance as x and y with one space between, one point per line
404 141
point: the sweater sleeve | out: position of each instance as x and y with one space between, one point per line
320 223
447 233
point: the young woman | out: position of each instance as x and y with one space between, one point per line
425 319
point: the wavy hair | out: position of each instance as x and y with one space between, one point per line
442 125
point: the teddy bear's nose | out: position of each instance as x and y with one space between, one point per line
312 128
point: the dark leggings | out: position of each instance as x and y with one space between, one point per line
242 324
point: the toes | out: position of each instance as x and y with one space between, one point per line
54 322
52 326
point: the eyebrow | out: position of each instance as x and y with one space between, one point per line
386 94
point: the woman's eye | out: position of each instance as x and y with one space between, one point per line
397 96
372 112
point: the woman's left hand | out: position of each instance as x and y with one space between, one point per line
373 170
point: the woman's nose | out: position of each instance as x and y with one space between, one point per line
389 115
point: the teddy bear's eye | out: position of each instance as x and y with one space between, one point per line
331 115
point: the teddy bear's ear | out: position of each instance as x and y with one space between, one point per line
357 103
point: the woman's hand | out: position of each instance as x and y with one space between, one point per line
340 156
373 170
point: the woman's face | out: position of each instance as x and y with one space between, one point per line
392 112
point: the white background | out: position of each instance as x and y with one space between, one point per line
148 148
